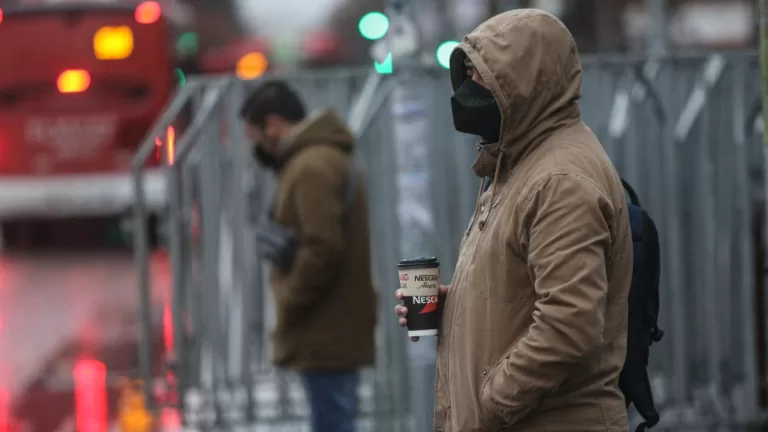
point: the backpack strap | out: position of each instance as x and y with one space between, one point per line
633 198
654 269
351 186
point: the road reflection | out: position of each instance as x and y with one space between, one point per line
59 312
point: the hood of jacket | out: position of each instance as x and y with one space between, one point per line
323 127
531 64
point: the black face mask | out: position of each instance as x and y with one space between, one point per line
475 111
266 159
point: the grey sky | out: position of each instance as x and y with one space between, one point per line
278 17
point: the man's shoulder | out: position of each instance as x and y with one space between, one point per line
574 158
318 158
576 152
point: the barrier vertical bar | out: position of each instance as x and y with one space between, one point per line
384 212
243 274
743 213
691 113
210 228
180 279
141 258
190 226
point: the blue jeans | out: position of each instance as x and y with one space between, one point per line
332 398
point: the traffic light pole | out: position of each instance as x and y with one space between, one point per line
656 39
763 7
411 136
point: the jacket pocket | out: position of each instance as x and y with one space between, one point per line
490 415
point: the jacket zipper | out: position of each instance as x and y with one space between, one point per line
471 243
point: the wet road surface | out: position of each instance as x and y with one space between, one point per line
59 311
66 315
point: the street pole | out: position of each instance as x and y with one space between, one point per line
763 8
656 37
408 104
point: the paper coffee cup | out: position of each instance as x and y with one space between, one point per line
420 284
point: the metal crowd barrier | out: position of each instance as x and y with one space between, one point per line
221 306
685 131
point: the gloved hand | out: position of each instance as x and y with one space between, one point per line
277 244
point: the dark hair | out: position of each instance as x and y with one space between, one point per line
272 97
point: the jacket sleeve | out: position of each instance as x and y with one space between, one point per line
317 203
567 236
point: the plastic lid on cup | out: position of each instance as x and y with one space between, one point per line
423 262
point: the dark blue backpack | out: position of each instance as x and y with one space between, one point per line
643 329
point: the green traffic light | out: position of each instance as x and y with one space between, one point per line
444 53
180 77
188 43
384 67
373 25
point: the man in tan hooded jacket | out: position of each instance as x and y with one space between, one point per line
534 331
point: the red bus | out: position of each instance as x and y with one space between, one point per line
80 86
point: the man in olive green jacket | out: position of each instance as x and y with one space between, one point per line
326 304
